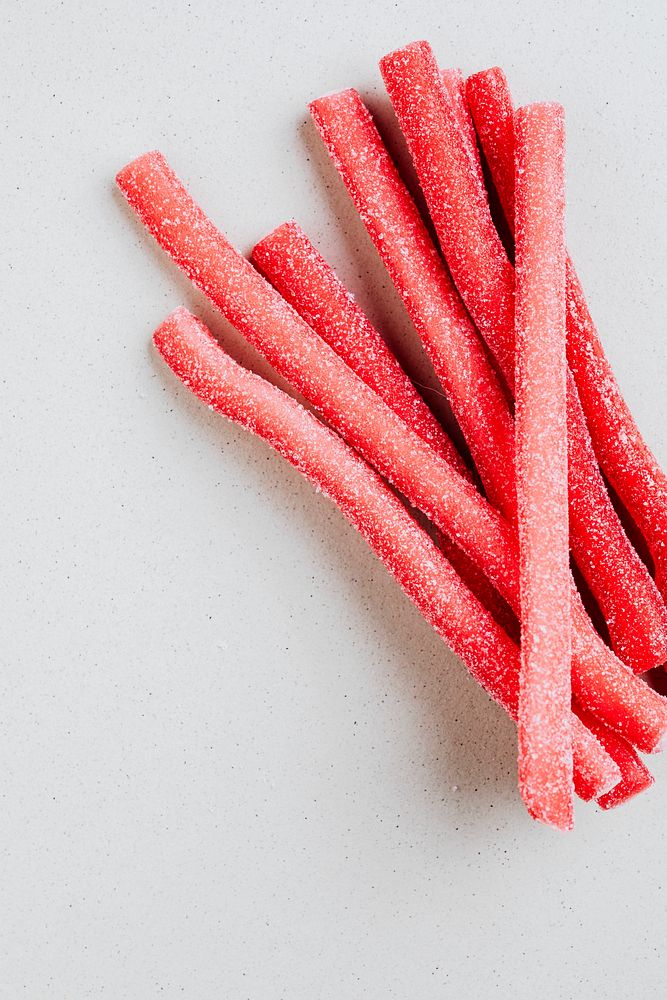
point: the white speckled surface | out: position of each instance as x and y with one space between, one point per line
234 763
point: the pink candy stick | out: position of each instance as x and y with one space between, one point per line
404 548
433 304
455 88
372 428
545 695
623 454
635 614
635 776
302 276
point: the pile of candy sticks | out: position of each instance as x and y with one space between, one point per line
503 318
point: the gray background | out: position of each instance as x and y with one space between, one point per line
234 761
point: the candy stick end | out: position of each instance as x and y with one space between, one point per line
146 161
179 323
336 98
493 75
289 228
422 47
622 793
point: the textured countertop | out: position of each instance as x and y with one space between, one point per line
234 762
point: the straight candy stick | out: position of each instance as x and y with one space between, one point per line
455 86
288 259
370 506
271 325
492 111
294 266
621 584
620 449
545 692
398 232
635 776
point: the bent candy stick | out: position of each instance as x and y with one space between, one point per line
259 312
635 776
302 276
545 691
619 447
398 232
621 584
371 507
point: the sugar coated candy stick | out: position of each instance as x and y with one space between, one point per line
404 548
607 688
455 88
621 584
295 267
399 235
545 695
492 111
635 776
257 310
620 449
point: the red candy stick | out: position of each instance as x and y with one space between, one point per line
271 325
455 88
635 614
545 694
302 276
433 304
404 548
492 111
624 456
635 776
